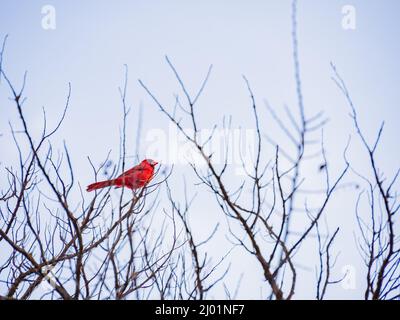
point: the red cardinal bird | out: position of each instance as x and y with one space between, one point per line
134 178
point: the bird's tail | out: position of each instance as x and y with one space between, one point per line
99 185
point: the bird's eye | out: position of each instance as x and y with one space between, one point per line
152 163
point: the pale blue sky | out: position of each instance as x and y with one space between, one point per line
94 39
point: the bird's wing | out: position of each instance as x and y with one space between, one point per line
142 178
129 172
